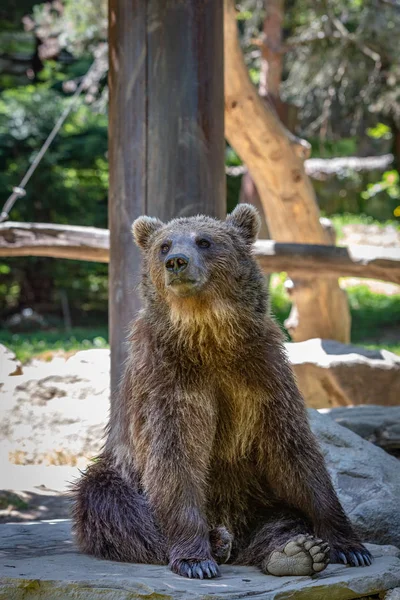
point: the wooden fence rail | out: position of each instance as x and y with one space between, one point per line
301 260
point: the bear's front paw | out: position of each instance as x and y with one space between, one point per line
221 544
354 555
195 569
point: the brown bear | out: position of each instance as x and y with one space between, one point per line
208 439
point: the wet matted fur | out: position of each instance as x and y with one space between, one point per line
208 428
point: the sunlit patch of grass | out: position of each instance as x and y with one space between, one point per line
395 348
46 343
339 221
375 317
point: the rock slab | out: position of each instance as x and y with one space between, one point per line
366 478
333 374
39 561
377 424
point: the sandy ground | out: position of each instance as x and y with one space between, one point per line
52 419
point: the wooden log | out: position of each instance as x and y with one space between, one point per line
316 260
55 241
304 260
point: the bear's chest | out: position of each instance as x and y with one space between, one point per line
239 417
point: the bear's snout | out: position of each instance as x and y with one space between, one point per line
177 263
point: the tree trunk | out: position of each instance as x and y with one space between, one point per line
276 162
271 51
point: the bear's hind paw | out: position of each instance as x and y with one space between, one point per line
302 555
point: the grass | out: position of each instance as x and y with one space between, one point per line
339 221
45 343
375 324
375 317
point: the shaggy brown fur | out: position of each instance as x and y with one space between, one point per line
208 428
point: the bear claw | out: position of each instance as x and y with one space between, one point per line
302 555
353 558
196 569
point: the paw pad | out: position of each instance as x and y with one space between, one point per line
302 555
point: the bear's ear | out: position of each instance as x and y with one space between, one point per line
246 218
143 228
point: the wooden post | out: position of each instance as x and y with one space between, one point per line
166 132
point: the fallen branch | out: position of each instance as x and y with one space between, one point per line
55 241
300 260
314 261
323 168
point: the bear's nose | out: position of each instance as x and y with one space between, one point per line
177 263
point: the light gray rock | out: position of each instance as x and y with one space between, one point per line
366 478
392 595
39 561
377 424
333 374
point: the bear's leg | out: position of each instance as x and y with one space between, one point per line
113 520
284 546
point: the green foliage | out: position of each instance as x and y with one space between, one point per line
10 499
28 345
379 131
69 186
372 312
343 67
331 148
339 221
79 26
390 346
375 317
279 299
375 321
389 185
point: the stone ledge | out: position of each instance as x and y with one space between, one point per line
38 561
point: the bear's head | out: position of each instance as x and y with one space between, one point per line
199 257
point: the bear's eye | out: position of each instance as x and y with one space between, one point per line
202 243
165 248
